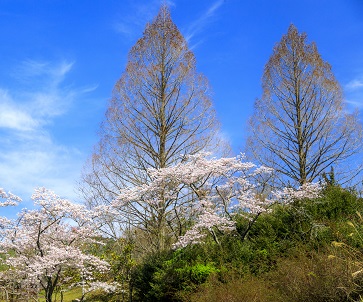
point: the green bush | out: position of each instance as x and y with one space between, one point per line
162 277
336 204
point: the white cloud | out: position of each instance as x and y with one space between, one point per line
13 117
38 161
51 97
138 14
353 92
49 73
123 28
354 84
198 25
38 96
30 156
355 104
132 23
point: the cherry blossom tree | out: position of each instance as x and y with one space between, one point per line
206 192
43 246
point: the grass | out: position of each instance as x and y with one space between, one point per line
68 296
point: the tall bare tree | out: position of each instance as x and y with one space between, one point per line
160 109
300 126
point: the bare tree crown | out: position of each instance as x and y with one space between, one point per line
300 126
160 110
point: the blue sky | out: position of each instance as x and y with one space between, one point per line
60 59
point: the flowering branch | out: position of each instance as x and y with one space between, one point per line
44 243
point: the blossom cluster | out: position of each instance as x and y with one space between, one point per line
8 199
305 191
46 242
211 190
208 219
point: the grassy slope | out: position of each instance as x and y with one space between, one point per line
69 296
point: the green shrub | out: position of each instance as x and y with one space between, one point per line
336 203
162 277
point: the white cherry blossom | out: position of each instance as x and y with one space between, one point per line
45 243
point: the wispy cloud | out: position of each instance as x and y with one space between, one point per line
354 84
14 117
354 93
49 72
41 88
38 161
30 155
132 21
355 104
199 25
